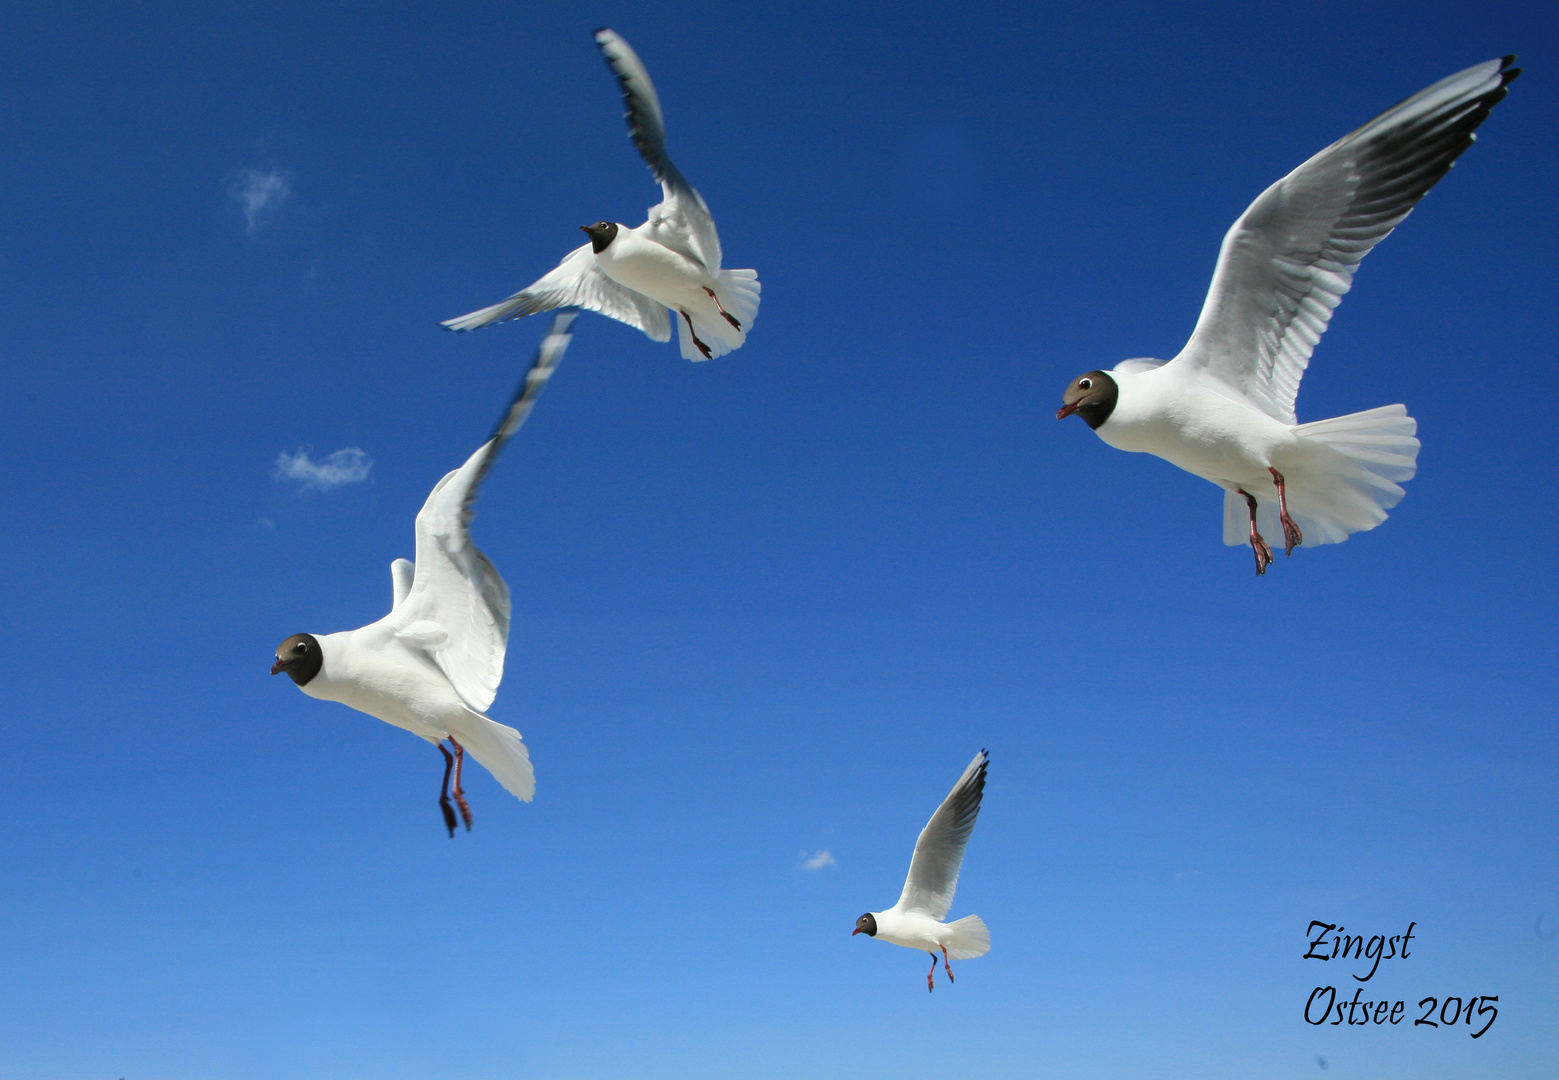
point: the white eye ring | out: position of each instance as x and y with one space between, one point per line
1086 384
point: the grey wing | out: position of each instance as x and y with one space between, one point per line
457 608
1288 260
578 281
682 219
939 853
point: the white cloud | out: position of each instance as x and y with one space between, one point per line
349 466
818 861
259 194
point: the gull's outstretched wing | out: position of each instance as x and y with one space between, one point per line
457 608
576 282
682 219
1288 260
933 872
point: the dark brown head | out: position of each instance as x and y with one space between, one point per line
300 657
1091 396
602 233
866 924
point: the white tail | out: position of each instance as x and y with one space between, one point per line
738 291
970 938
1341 478
499 750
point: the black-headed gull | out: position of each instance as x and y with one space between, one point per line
916 920
1224 408
433 664
672 261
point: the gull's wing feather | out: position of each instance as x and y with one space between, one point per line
458 605
578 281
1288 260
939 853
682 220
402 572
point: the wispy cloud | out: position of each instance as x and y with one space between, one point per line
349 466
818 861
259 194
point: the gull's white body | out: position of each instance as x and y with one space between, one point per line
1223 409
654 275
1192 421
964 939
376 672
916 920
433 665
656 261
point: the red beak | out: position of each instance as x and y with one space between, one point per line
1067 410
857 930
280 666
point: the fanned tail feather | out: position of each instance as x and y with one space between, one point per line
1341 479
970 938
497 747
738 291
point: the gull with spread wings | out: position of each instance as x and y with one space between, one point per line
667 268
433 664
916 920
1224 408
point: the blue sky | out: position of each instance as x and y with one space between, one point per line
770 605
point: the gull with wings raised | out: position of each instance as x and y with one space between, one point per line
1224 408
916 920
433 664
667 268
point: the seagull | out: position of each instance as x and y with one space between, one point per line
1224 408
433 664
916 920
667 268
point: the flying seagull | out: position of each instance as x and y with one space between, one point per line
672 261
916 920
1224 408
433 664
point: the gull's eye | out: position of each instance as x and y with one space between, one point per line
1086 384
301 647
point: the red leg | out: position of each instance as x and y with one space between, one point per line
1258 545
459 792
945 965
443 795
930 983
728 317
1292 537
701 346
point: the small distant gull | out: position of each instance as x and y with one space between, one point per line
433 664
916 920
672 261
1224 408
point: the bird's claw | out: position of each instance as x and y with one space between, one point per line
1292 537
1263 553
